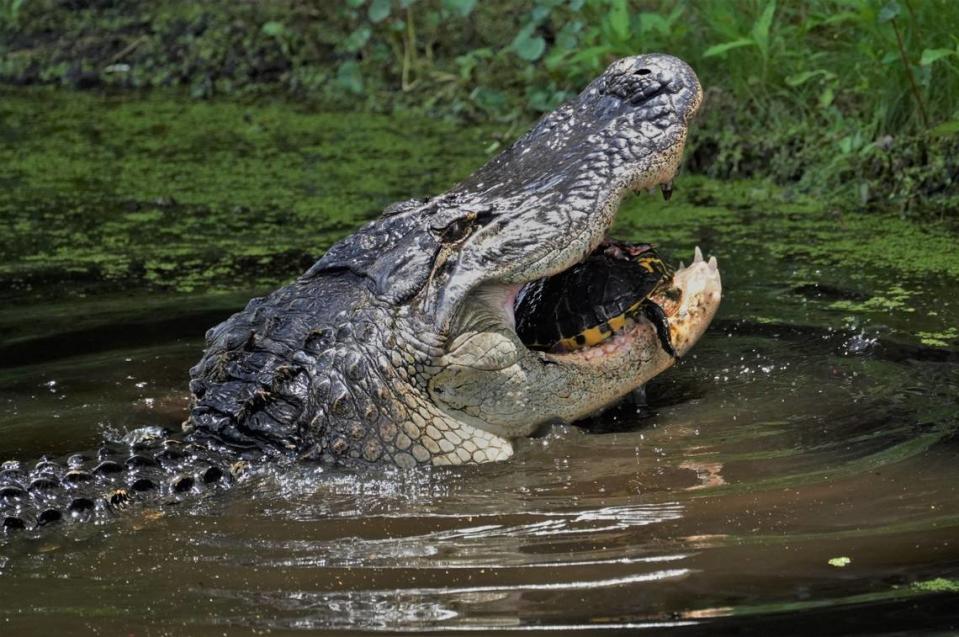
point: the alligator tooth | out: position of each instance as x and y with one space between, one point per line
682 265
713 264
667 189
697 255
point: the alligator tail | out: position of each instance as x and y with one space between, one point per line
147 466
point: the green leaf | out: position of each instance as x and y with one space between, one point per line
761 28
356 40
462 8
840 562
528 46
891 57
801 78
273 28
489 100
540 13
355 4
826 97
568 37
379 10
837 18
650 22
946 129
619 19
590 55
931 55
348 75
544 99
720 49
845 144
889 12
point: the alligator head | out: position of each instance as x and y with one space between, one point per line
456 262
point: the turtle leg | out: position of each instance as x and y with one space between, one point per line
657 317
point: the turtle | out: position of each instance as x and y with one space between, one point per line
615 283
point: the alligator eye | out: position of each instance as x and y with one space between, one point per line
458 229
642 72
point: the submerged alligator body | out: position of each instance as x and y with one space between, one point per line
400 346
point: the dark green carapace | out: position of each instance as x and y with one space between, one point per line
612 286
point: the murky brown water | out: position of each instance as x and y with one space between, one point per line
789 439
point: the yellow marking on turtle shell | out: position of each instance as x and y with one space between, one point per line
568 344
597 334
594 335
646 263
652 264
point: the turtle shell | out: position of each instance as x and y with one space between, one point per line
589 301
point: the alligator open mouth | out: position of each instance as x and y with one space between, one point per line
597 303
596 299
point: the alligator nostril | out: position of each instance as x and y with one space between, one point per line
81 507
642 72
182 484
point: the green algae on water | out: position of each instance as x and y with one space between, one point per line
189 195
941 338
938 585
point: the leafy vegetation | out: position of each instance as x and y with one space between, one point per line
856 98
938 585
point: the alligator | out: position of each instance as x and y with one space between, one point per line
399 346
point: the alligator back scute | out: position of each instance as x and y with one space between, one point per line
273 373
86 486
237 386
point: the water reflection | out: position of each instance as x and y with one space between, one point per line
752 466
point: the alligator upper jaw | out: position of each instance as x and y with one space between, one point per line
498 300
